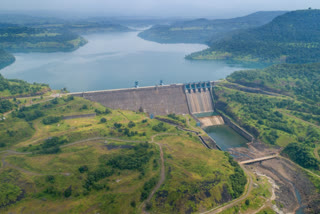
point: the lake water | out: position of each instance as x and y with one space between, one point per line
116 60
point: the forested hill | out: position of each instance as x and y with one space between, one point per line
203 30
5 58
15 38
293 37
289 116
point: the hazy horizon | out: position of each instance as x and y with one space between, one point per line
151 8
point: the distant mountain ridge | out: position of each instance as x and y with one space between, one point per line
293 38
204 30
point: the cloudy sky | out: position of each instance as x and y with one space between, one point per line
191 8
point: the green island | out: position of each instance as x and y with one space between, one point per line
203 30
292 38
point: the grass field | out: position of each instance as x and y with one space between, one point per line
102 163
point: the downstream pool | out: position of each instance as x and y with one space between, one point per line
226 137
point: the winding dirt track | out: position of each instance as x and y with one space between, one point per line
234 202
162 172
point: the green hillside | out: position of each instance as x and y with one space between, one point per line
5 58
204 30
279 105
108 163
14 38
293 38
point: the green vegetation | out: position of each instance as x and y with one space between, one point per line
95 26
16 88
51 119
292 38
238 179
5 59
301 155
284 113
257 198
195 177
76 165
16 38
203 30
9 193
5 106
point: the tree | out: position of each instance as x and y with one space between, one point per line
103 120
67 193
83 169
247 202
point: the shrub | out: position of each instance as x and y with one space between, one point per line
131 124
159 128
103 120
50 179
67 193
50 120
133 203
247 202
84 107
83 169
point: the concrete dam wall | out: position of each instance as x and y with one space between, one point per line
157 100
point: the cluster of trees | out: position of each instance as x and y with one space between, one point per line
30 115
160 127
134 160
5 106
99 112
175 117
147 187
49 146
95 176
300 80
126 130
238 179
301 155
9 193
51 119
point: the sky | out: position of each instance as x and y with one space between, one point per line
161 8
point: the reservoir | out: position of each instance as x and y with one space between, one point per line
116 60
226 137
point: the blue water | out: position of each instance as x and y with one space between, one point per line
117 60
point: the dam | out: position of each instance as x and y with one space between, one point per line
195 99
192 98
156 100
